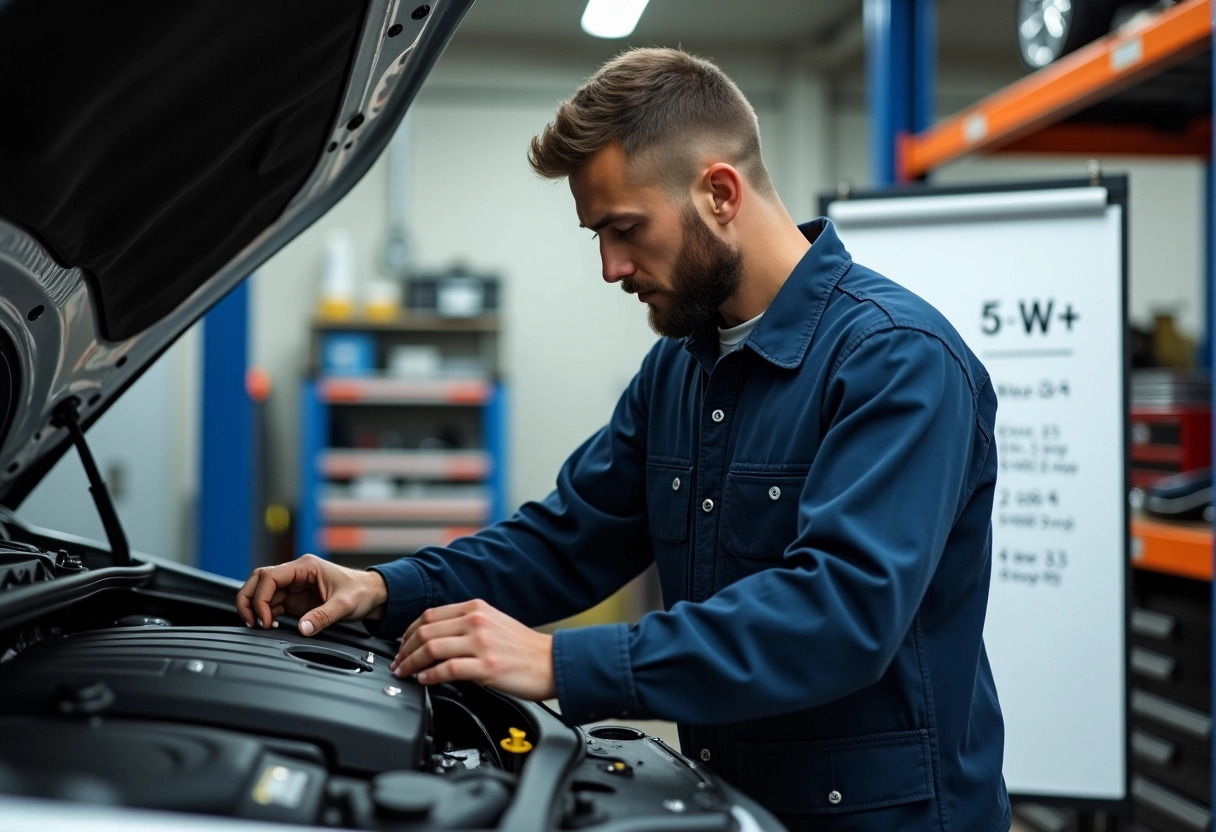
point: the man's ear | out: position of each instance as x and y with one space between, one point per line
724 187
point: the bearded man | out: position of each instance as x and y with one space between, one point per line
806 456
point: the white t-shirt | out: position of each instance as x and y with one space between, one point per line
731 338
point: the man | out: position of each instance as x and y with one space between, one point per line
807 457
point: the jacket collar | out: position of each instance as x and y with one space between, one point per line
783 335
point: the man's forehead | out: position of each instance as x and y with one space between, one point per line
606 185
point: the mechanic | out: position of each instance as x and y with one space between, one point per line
806 455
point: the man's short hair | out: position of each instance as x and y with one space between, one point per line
667 108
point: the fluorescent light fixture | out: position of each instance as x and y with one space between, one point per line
612 18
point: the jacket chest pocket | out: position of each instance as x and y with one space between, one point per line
760 513
668 486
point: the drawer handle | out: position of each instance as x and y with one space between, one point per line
1186 812
1152 665
1188 720
1045 818
1152 749
1151 624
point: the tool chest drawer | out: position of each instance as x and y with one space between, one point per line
1169 672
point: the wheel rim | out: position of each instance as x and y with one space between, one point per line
1042 29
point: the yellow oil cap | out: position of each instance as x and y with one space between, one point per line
516 743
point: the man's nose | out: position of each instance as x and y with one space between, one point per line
615 265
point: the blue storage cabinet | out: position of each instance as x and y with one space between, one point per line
403 436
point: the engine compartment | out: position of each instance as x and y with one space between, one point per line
138 686
246 723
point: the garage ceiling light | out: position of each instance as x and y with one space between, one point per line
612 18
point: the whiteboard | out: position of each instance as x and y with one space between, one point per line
1034 280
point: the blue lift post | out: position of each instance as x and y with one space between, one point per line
227 464
901 55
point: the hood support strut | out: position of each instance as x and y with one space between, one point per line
66 415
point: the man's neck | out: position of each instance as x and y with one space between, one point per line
771 249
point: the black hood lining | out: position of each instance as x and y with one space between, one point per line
150 142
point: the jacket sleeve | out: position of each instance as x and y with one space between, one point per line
554 557
892 474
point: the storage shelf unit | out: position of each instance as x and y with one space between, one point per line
1178 549
407 322
456 466
393 463
1144 89
386 542
404 391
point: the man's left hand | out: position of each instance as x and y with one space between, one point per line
474 642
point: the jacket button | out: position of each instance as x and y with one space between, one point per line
717 415
707 506
834 797
705 755
675 484
774 493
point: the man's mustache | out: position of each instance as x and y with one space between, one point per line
633 288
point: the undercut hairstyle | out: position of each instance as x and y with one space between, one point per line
667 108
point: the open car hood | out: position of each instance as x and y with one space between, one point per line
152 155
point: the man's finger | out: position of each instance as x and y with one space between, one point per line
436 614
453 670
244 598
272 579
433 652
440 629
316 620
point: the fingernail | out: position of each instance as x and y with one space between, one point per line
247 624
306 627
422 677
274 624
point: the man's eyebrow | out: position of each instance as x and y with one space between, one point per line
608 219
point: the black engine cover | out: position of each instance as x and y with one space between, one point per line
267 683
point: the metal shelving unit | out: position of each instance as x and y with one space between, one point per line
425 490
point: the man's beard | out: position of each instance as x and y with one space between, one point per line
705 275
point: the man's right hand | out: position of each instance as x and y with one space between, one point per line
313 589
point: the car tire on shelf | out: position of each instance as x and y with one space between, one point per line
1048 29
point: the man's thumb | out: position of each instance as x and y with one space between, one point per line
317 620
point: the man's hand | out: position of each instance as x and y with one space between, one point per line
477 643
315 590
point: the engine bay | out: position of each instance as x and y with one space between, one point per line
138 686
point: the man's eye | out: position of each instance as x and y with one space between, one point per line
625 232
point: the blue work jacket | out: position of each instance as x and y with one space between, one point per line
818 503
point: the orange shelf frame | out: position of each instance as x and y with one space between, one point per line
1092 73
1175 548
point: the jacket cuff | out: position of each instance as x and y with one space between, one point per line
409 595
593 675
